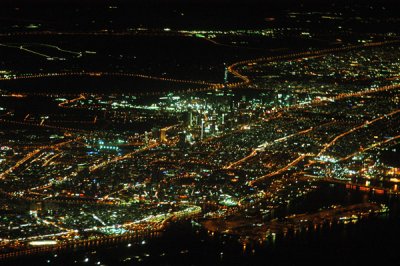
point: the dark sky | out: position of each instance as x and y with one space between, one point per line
208 2
274 4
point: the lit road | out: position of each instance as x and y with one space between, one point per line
261 148
129 155
245 80
252 154
81 97
372 146
123 157
280 171
32 155
366 123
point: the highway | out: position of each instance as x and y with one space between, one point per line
280 171
23 47
325 147
31 155
245 80
129 155
122 157
208 85
374 145
64 103
363 125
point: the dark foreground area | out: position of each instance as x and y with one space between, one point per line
370 241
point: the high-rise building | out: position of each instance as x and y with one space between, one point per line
163 135
155 132
146 137
188 118
202 130
226 73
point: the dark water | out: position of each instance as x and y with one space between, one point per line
370 241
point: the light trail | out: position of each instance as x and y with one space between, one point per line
119 158
366 123
280 171
270 143
50 159
23 48
251 155
79 54
43 126
262 147
129 155
19 163
100 74
30 156
245 80
81 97
374 145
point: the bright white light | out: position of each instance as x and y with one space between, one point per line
43 243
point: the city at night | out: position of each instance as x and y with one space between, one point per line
189 132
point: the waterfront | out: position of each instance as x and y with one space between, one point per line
187 244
